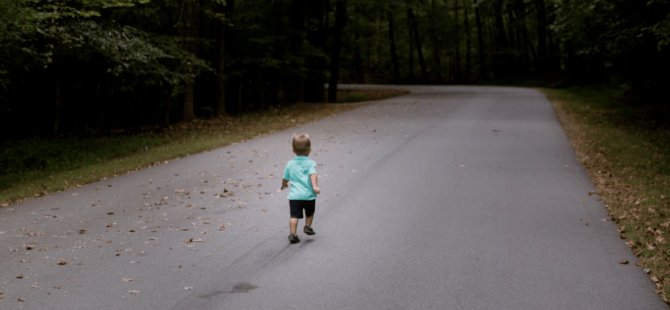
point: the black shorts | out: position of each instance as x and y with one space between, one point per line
298 205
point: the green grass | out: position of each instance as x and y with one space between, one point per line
626 150
35 167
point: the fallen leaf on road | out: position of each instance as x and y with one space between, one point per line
62 263
133 292
2 296
20 300
19 276
624 262
222 227
127 280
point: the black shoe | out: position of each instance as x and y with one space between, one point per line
309 231
293 238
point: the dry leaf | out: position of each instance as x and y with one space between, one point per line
660 239
62 263
624 262
133 292
127 280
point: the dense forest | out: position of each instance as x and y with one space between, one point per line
100 66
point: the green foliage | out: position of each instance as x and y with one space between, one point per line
629 37
73 59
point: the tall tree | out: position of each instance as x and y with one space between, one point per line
481 52
222 11
416 36
541 35
189 26
340 22
457 45
395 63
468 44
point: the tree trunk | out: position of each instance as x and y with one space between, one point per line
318 37
166 109
296 36
457 55
411 45
395 63
437 46
500 35
221 31
419 48
468 45
480 41
358 72
189 100
522 30
340 22
57 107
190 23
541 35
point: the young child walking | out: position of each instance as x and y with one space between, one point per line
300 173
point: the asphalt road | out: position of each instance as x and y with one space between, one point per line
447 198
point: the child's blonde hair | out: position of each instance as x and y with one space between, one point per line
301 144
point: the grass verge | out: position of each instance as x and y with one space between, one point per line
33 168
627 153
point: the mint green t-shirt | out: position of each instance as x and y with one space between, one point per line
297 172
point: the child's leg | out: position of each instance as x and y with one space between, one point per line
293 225
310 207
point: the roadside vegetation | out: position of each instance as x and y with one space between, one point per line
626 150
35 167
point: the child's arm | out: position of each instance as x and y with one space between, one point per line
315 183
284 184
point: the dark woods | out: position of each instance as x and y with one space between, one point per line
100 66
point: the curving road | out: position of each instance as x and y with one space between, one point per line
446 198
